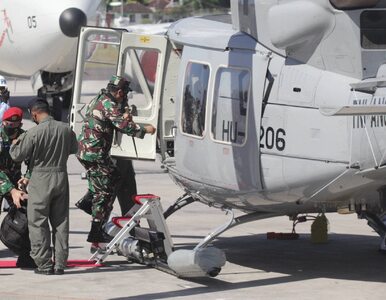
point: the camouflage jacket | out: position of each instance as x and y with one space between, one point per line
10 171
103 116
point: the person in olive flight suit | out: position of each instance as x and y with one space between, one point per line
47 146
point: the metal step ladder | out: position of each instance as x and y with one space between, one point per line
149 208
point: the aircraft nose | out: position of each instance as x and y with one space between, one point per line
71 20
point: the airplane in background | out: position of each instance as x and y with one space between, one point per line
278 109
148 59
38 40
158 28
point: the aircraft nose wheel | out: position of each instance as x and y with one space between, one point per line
214 272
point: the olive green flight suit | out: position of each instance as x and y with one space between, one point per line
47 146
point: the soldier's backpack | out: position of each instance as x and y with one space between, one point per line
14 231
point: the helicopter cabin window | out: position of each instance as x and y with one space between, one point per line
194 98
229 120
373 29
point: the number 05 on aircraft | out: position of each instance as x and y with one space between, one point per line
277 109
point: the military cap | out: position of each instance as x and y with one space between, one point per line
120 82
13 114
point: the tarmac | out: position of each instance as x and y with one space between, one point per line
348 266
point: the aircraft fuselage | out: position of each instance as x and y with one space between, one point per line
250 133
37 35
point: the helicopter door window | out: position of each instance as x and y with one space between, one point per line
141 69
373 29
101 56
194 98
229 116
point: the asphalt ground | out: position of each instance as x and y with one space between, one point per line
349 266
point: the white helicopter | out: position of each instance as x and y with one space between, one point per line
277 109
38 40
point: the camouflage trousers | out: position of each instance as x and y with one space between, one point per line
102 176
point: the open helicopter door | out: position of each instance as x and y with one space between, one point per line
97 60
142 60
138 57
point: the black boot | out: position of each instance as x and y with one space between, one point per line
25 261
97 234
85 203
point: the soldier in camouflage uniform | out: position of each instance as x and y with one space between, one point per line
103 116
10 171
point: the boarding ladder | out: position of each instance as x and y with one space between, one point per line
147 207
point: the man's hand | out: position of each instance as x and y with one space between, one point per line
133 110
17 197
150 129
128 116
22 183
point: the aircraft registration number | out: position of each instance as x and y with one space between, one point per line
271 138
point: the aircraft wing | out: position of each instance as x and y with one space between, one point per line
369 85
373 173
353 110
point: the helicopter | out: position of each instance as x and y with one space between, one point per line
278 108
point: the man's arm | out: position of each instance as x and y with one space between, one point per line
74 143
124 123
121 121
23 181
5 184
6 187
21 148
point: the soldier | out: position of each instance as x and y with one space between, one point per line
4 92
10 171
103 116
47 146
4 96
125 188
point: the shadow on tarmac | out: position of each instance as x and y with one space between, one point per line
347 257
23 101
6 253
110 266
